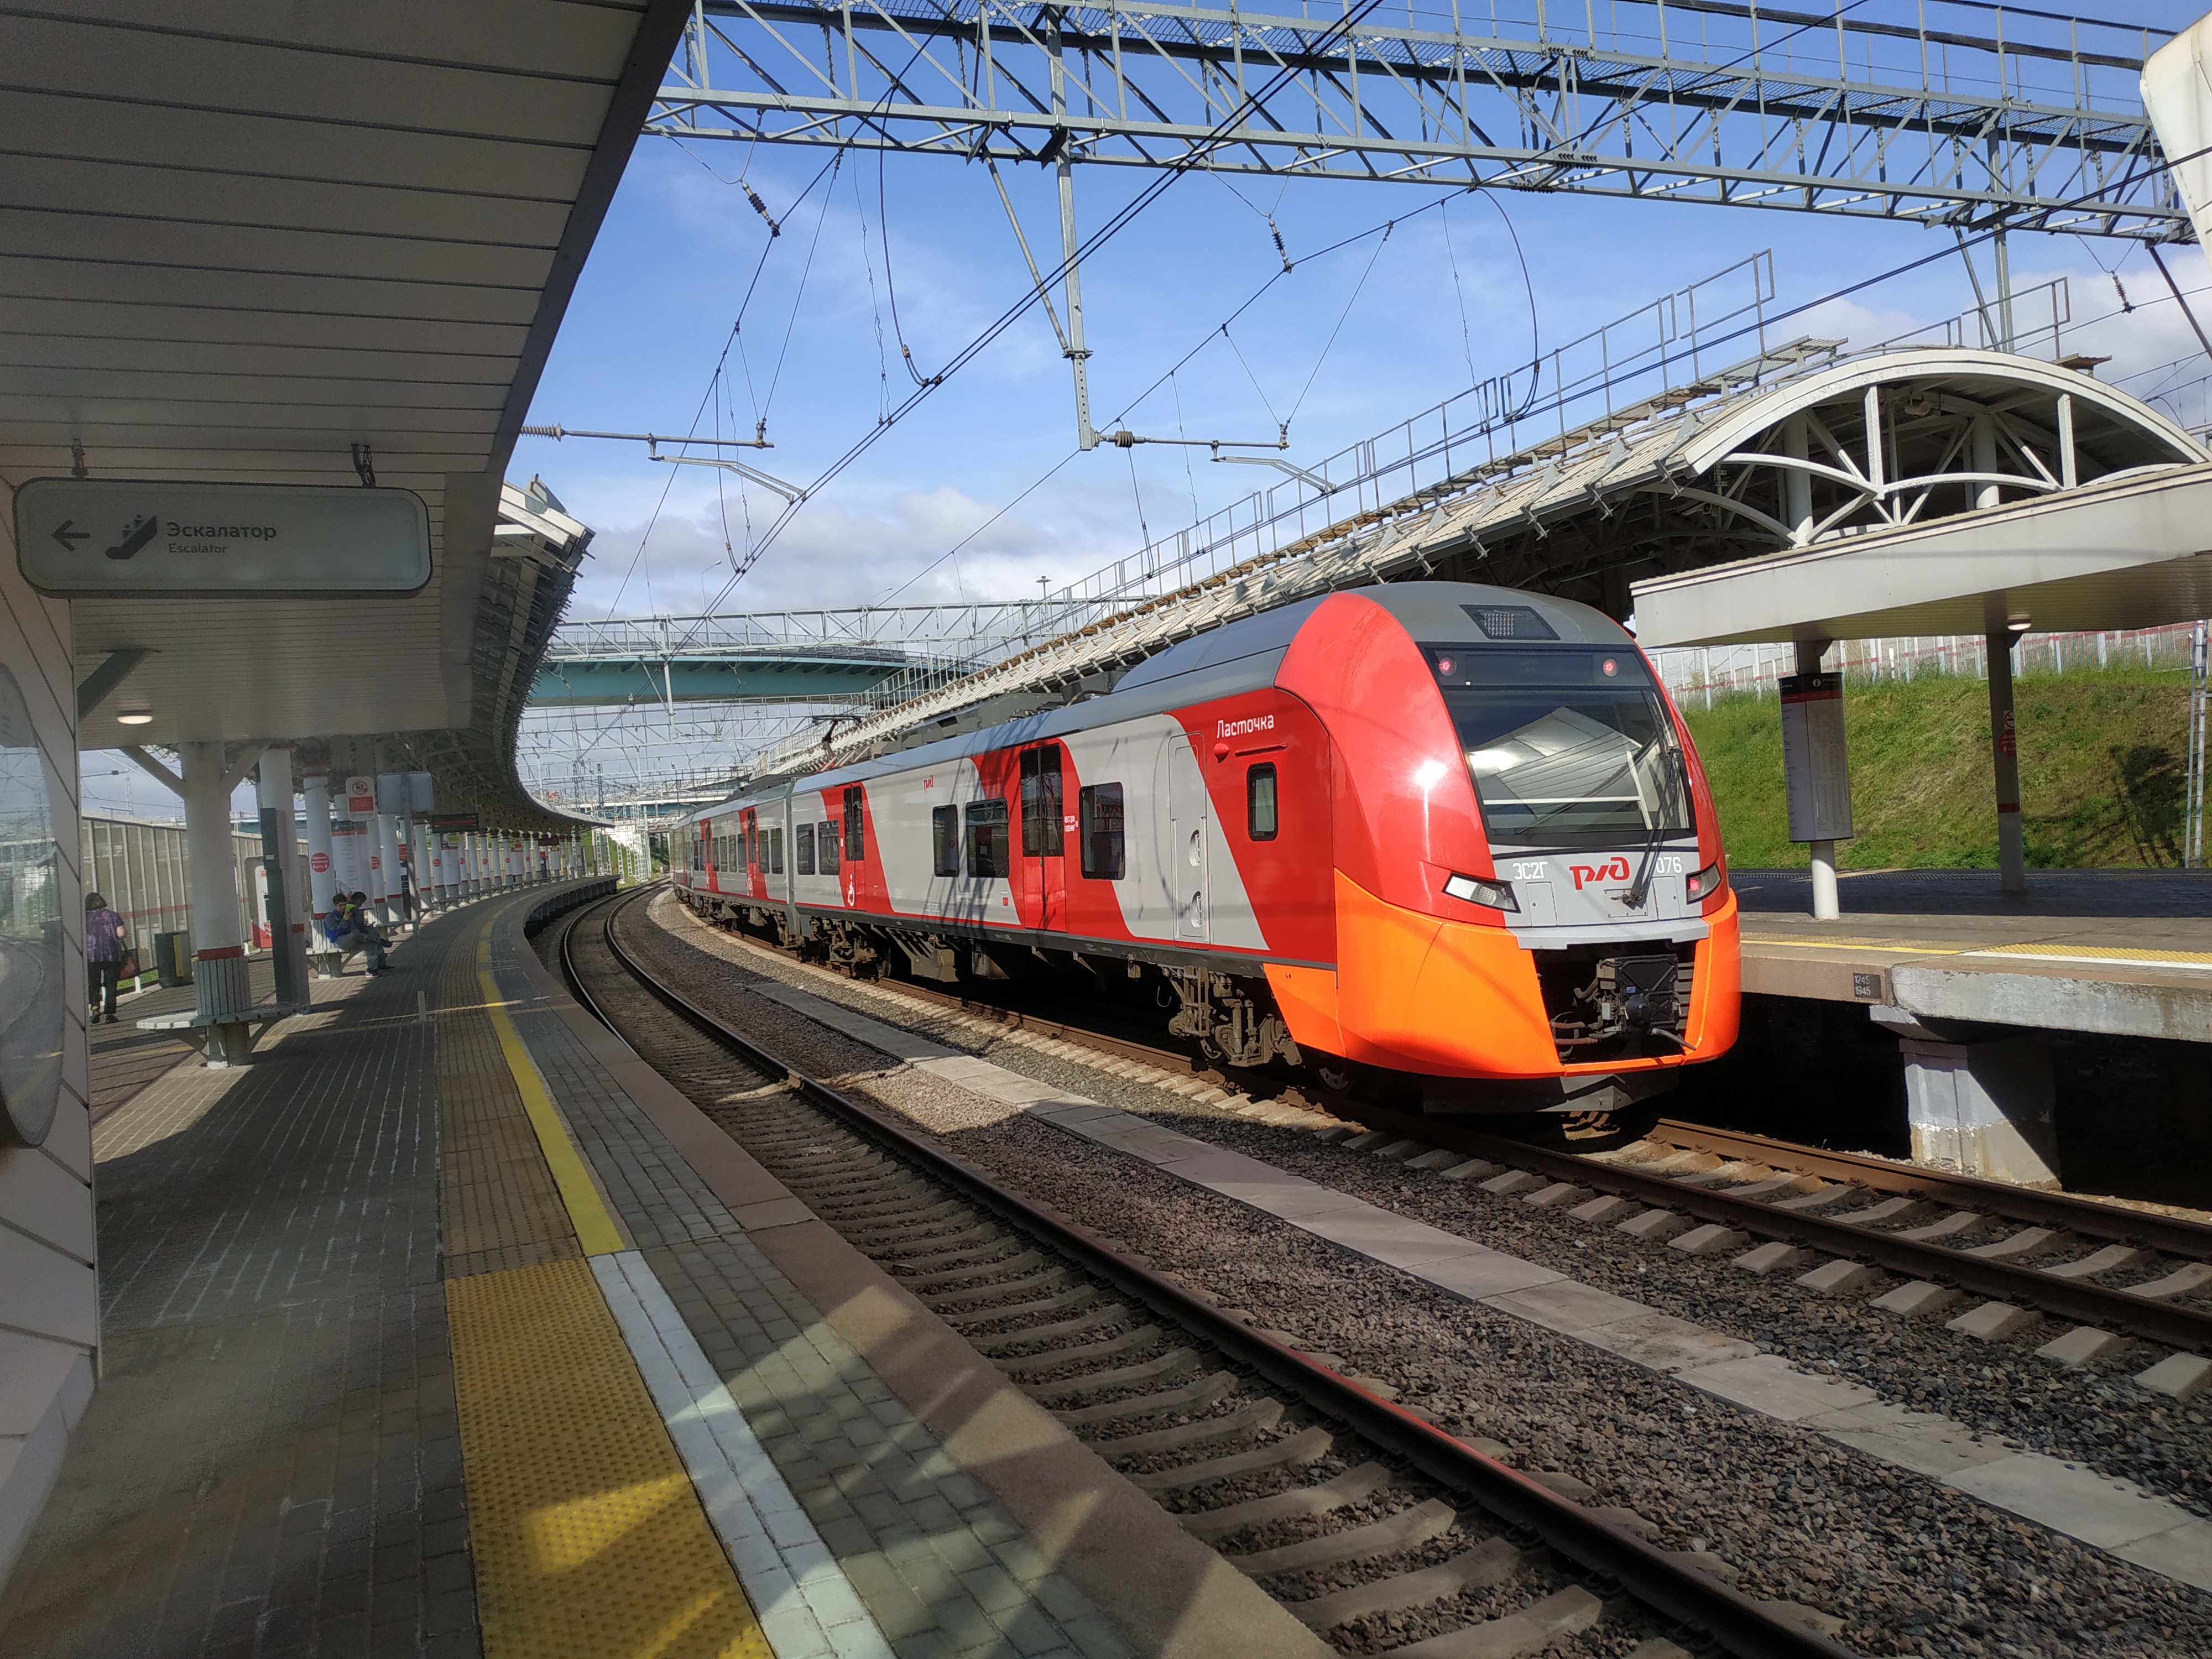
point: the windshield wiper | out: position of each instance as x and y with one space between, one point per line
1640 888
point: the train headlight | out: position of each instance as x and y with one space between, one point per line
1498 895
1707 882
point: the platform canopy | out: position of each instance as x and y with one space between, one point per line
306 245
2132 551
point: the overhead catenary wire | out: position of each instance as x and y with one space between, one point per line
1113 226
1166 378
1342 317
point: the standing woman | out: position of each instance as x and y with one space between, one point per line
103 956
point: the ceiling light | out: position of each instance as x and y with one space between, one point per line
135 717
2018 621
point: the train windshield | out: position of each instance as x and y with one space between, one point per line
1569 746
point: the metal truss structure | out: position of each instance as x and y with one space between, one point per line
1984 116
1751 460
933 630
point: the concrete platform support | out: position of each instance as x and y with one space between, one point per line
211 874
418 866
1983 1107
322 873
385 866
288 921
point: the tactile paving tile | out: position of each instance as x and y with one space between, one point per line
586 1532
499 1207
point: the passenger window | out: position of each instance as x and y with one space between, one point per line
986 839
775 852
854 847
945 840
1260 801
1098 827
825 842
1041 820
802 849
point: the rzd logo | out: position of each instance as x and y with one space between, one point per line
1584 874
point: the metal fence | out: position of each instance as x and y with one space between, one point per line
1697 675
138 866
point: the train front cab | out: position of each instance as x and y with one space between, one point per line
1546 925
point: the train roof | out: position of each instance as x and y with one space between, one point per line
1238 656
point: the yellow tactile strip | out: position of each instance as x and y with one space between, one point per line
2035 950
588 1533
2065 951
596 1228
498 1206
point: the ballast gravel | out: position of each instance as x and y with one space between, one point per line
1911 1566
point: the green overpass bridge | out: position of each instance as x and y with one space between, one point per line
816 675
823 658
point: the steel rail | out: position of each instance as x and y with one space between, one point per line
2187 1329
2172 1234
1679 1593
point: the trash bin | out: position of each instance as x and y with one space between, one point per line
173 958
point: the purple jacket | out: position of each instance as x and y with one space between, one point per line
101 943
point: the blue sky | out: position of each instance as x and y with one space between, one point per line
1440 304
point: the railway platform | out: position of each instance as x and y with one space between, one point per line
1974 981
2125 952
446 1326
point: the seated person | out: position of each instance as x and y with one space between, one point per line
348 928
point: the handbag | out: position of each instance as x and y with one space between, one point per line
128 968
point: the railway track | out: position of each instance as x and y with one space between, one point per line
1366 1522
1829 1219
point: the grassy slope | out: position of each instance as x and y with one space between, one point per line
2102 761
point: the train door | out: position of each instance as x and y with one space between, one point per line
1185 863
1041 881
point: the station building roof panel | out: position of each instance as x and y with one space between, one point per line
266 243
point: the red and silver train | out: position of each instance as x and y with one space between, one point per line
1436 841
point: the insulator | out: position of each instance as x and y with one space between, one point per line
761 208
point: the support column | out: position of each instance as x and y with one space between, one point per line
322 875
1797 495
220 980
1979 1099
418 867
2004 746
287 927
1826 907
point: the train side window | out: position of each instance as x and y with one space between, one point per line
775 852
826 843
1098 827
1260 801
945 840
854 847
986 838
802 849
1040 819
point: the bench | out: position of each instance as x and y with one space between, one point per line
225 1039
